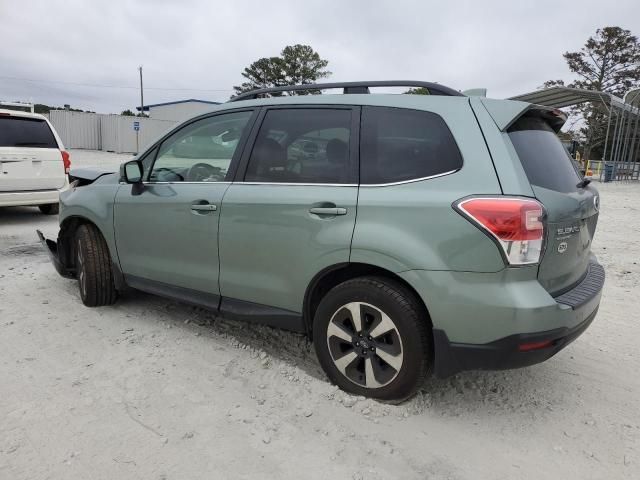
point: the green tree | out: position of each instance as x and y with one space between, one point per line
296 65
418 91
42 108
128 113
608 62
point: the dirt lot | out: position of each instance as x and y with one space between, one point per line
154 389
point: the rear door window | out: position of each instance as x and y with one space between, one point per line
302 146
545 161
25 132
400 145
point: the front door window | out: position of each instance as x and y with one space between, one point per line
201 151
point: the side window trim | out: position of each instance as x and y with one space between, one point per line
242 165
354 143
155 148
412 180
151 154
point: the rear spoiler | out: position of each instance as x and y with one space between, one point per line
506 112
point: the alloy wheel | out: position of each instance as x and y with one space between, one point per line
365 345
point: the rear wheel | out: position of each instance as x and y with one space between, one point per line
93 268
371 336
49 208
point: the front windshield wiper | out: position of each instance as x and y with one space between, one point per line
29 144
584 183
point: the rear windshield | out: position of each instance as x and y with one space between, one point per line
25 132
545 161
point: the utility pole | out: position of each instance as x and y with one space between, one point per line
141 93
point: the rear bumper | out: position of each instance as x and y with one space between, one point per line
504 353
36 197
52 249
481 321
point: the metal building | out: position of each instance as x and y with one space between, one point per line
180 110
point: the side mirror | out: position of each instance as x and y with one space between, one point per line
131 172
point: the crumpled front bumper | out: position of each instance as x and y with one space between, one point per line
52 250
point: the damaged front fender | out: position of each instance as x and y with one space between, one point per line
52 250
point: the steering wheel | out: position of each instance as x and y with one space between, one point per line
203 172
164 174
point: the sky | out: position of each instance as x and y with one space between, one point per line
87 53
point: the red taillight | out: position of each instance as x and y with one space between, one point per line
508 219
515 222
66 160
527 347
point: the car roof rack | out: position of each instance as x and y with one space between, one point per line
351 87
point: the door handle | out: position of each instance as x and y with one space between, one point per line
207 207
328 211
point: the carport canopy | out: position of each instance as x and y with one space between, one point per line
622 143
559 97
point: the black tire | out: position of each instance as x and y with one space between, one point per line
49 208
93 268
378 296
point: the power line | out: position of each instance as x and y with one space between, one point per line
118 86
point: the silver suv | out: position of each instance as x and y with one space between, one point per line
404 234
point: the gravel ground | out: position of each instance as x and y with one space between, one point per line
154 389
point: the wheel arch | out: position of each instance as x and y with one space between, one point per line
331 276
66 245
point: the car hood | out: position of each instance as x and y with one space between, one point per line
88 175
91 173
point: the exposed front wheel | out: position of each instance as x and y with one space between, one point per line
49 208
371 336
93 268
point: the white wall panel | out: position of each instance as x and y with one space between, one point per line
77 129
112 133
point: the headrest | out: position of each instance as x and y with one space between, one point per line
337 151
270 154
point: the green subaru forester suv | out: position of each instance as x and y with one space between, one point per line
404 234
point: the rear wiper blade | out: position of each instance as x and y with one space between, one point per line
584 183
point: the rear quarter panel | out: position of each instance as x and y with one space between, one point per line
512 177
413 225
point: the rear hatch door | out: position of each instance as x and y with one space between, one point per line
29 155
571 207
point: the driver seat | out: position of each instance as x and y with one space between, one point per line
269 163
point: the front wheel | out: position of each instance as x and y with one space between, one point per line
372 338
93 268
